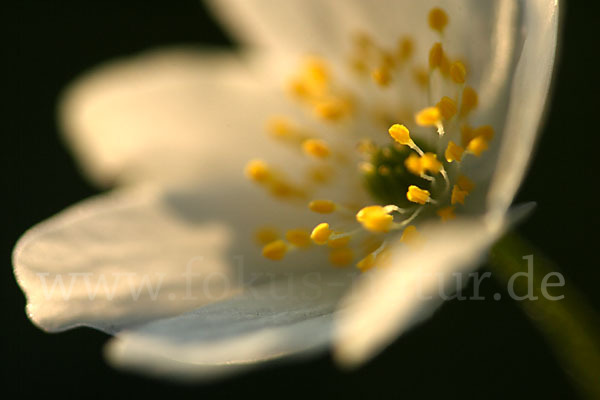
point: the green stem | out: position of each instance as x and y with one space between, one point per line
569 325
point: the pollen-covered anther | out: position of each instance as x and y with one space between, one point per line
436 55
367 262
465 183
298 237
469 101
339 239
414 164
401 134
382 76
322 206
458 195
438 19
477 146
376 219
447 107
331 109
458 72
430 116
266 235
316 148
410 235
454 152
321 233
417 195
341 257
430 163
446 213
275 250
257 171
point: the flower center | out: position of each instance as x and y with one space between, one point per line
406 178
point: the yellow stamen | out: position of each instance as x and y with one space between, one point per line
458 72
430 163
375 219
414 164
341 257
458 195
429 116
320 234
447 107
331 110
382 76
366 263
467 134
485 131
469 100
266 235
316 148
465 184
454 152
405 49
438 19
446 213
410 235
436 54
417 195
401 134
322 206
258 171
280 127
445 65
275 250
338 242
298 237
477 146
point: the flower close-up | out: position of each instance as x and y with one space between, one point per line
320 187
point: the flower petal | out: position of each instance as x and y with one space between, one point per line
279 318
529 94
127 257
391 300
156 116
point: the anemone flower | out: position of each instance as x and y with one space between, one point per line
397 134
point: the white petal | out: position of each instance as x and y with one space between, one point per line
390 300
164 114
280 318
127 257
529 96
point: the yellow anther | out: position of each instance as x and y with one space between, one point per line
258 171
331 110
436 54
421 77
280 127
446 213
484 131
382 76
417 195
477 146
438 19
458 195
316 148
275 250
469 100
447 107
401 134
445 65
414 164
338 241
430 163
454 152
458 72
266 235
375 219
429 116
320 234
405 48
366 263
298 237
465 184
467 134
341 257
322 206
410 235
283 189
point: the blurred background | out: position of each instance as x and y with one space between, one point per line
486 349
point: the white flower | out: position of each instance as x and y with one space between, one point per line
167 262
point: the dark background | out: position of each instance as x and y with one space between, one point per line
486 349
